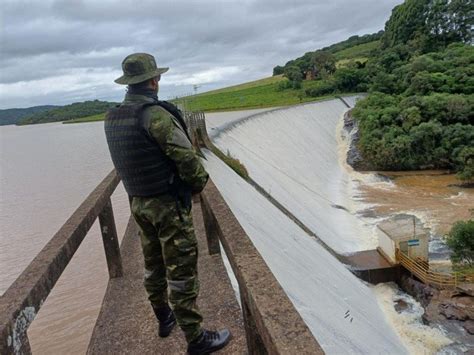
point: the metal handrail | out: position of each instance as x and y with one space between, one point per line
23 299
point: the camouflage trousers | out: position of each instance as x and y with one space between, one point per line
170 250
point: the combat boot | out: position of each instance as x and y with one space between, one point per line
209 342
166 318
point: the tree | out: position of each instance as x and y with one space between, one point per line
461 242
322 64
406 22
278 70
450 20
350 79
294 75
465 159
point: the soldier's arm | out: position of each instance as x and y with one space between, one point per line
175 144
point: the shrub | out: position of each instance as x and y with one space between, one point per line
461 242
283 85
326 87
232 162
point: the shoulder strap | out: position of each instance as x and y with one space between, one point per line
168 106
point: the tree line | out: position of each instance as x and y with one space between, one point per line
69 112
420 79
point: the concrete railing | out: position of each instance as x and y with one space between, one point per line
21 302
197 129
272 324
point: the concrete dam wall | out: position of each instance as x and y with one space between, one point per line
293 154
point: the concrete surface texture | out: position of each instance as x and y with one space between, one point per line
127 325
320 287
294 155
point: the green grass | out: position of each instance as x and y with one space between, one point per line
465 269
359 51
232 162
345 62
248 85
255 94
93 118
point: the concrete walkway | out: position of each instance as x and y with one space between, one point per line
126 323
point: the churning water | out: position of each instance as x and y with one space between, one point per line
298 155
48 170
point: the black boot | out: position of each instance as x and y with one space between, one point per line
209 342
166 318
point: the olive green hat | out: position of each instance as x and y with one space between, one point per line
138 67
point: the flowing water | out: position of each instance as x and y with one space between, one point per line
298 156
47 171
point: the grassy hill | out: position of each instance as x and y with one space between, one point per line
15 115
256 94
356 52
268 92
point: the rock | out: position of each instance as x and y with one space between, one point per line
422 293
450 311
401 305
354 157
469 326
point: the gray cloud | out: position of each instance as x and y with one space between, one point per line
57 52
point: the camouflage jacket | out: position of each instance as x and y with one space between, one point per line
165 129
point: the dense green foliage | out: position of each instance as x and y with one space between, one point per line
15 115
461 242
69 112
412 132
294 76
341 50
429 24
420 110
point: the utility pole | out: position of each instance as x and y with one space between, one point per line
196 87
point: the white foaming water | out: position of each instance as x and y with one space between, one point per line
293 154
418 338
279 150
338 308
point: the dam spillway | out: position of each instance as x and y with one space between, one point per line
293 154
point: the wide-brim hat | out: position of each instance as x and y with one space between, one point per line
138 67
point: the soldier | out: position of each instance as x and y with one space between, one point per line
153 155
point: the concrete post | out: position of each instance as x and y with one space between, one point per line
255 344
110 240
212 229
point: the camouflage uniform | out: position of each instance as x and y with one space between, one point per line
166 228
167 235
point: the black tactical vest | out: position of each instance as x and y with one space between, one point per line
141 164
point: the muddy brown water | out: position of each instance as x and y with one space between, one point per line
47 171
436 197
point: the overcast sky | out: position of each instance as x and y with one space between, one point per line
64 51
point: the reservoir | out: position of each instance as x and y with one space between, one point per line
47 171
